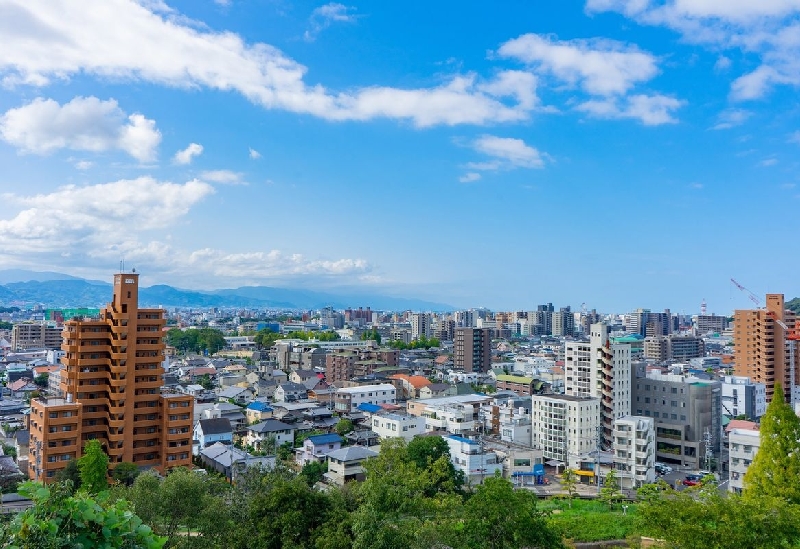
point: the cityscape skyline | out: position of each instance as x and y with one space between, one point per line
612 153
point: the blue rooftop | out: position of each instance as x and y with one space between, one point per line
462 439
259 407
367 407
324 439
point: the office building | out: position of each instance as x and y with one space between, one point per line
111 384
472 349
743 445
707 324
742 397
27 336
674 347
687 412
760 346
563 323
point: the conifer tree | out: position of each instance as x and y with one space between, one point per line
776 467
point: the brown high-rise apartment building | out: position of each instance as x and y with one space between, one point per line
472 349
111 384
760 346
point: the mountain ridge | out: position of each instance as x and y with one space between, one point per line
54 290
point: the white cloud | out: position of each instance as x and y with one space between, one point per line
767 162
651 110
730 118
323 16
599 66
254 154
225 177
722 64
513 152
469 177
55 39
795 137
83 164
89 227
223 3
186 155
84 124
767 28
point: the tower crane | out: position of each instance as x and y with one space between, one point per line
792 335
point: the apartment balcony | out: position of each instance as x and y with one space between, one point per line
174 437
146 436
86 375
58 421
64 435
69 348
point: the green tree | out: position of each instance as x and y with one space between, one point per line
344 426
776 466
433 454
610 492
70 474
59 519
499 517
41 380
569 480
6 325
698 520
93 466
266 338
372 335
125 473
205 382
313 472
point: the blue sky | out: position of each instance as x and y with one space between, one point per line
618 153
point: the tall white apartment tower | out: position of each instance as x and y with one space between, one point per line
610 380
421 325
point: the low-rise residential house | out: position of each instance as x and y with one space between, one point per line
290 392
21 443
411 385
301 376
396 425
317 447
231 380
194 374
211 431
362 437
231 412
347 464
436 390
320 418
469 457
258 410
270 428
237 395
265 388
192 389
231 461
348 398
22 388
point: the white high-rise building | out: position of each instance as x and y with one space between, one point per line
634 451
421 325
610 379
464 319
565 427
578 369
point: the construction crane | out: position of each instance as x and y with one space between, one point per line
792 335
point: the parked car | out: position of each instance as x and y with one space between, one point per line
663 469
692 480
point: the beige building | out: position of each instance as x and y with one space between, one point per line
565 427
760 346
111 382
35 335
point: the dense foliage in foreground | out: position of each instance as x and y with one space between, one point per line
412 498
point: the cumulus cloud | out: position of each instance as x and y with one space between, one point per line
469 177
599 66
505 153
84 124
224 177
83 164
186 155
794 137
55 39
766 28
513 152
91 227
254 154
324 16
651 110
730 118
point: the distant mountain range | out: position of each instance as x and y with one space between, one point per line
53 290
